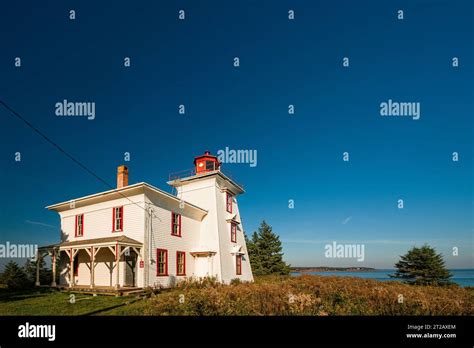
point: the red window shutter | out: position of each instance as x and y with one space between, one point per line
179 228
75 228
113 219
184 263
177 263
239 265
121 220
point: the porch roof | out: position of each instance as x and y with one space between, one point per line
121 240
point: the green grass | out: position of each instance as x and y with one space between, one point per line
50 302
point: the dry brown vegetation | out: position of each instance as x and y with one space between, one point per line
311 295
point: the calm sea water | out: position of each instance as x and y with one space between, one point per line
463 277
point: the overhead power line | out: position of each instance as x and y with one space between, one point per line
60 149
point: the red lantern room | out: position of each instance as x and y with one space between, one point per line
206 163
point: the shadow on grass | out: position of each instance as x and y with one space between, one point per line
18 295
101 310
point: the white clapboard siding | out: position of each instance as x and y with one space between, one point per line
98 219
228 260
98 224
215 229
161 238
203 193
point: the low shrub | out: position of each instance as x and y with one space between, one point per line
311 295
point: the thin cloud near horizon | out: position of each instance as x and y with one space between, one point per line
40 224
346 220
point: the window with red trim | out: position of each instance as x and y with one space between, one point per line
233 232
176 224
117 219
238 264
228 202
180 263
75 266
161 262
79 232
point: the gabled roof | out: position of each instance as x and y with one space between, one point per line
123 192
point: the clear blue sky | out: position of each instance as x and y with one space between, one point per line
282 62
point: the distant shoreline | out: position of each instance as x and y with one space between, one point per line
332 269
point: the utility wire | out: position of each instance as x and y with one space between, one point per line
44 136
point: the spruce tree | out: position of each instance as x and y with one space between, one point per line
422 266
265 252
252 248
14 276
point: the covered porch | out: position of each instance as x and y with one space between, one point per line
117 258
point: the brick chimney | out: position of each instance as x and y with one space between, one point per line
122 176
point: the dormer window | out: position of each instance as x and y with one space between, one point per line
79 225
117 219
229 202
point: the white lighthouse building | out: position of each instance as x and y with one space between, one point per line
138 235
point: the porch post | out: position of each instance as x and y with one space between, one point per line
53 266
71 268
38 256
92 266
117 265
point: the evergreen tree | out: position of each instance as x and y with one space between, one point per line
265 252
422 266
14 276
252 248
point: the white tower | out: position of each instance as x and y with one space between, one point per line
222 252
